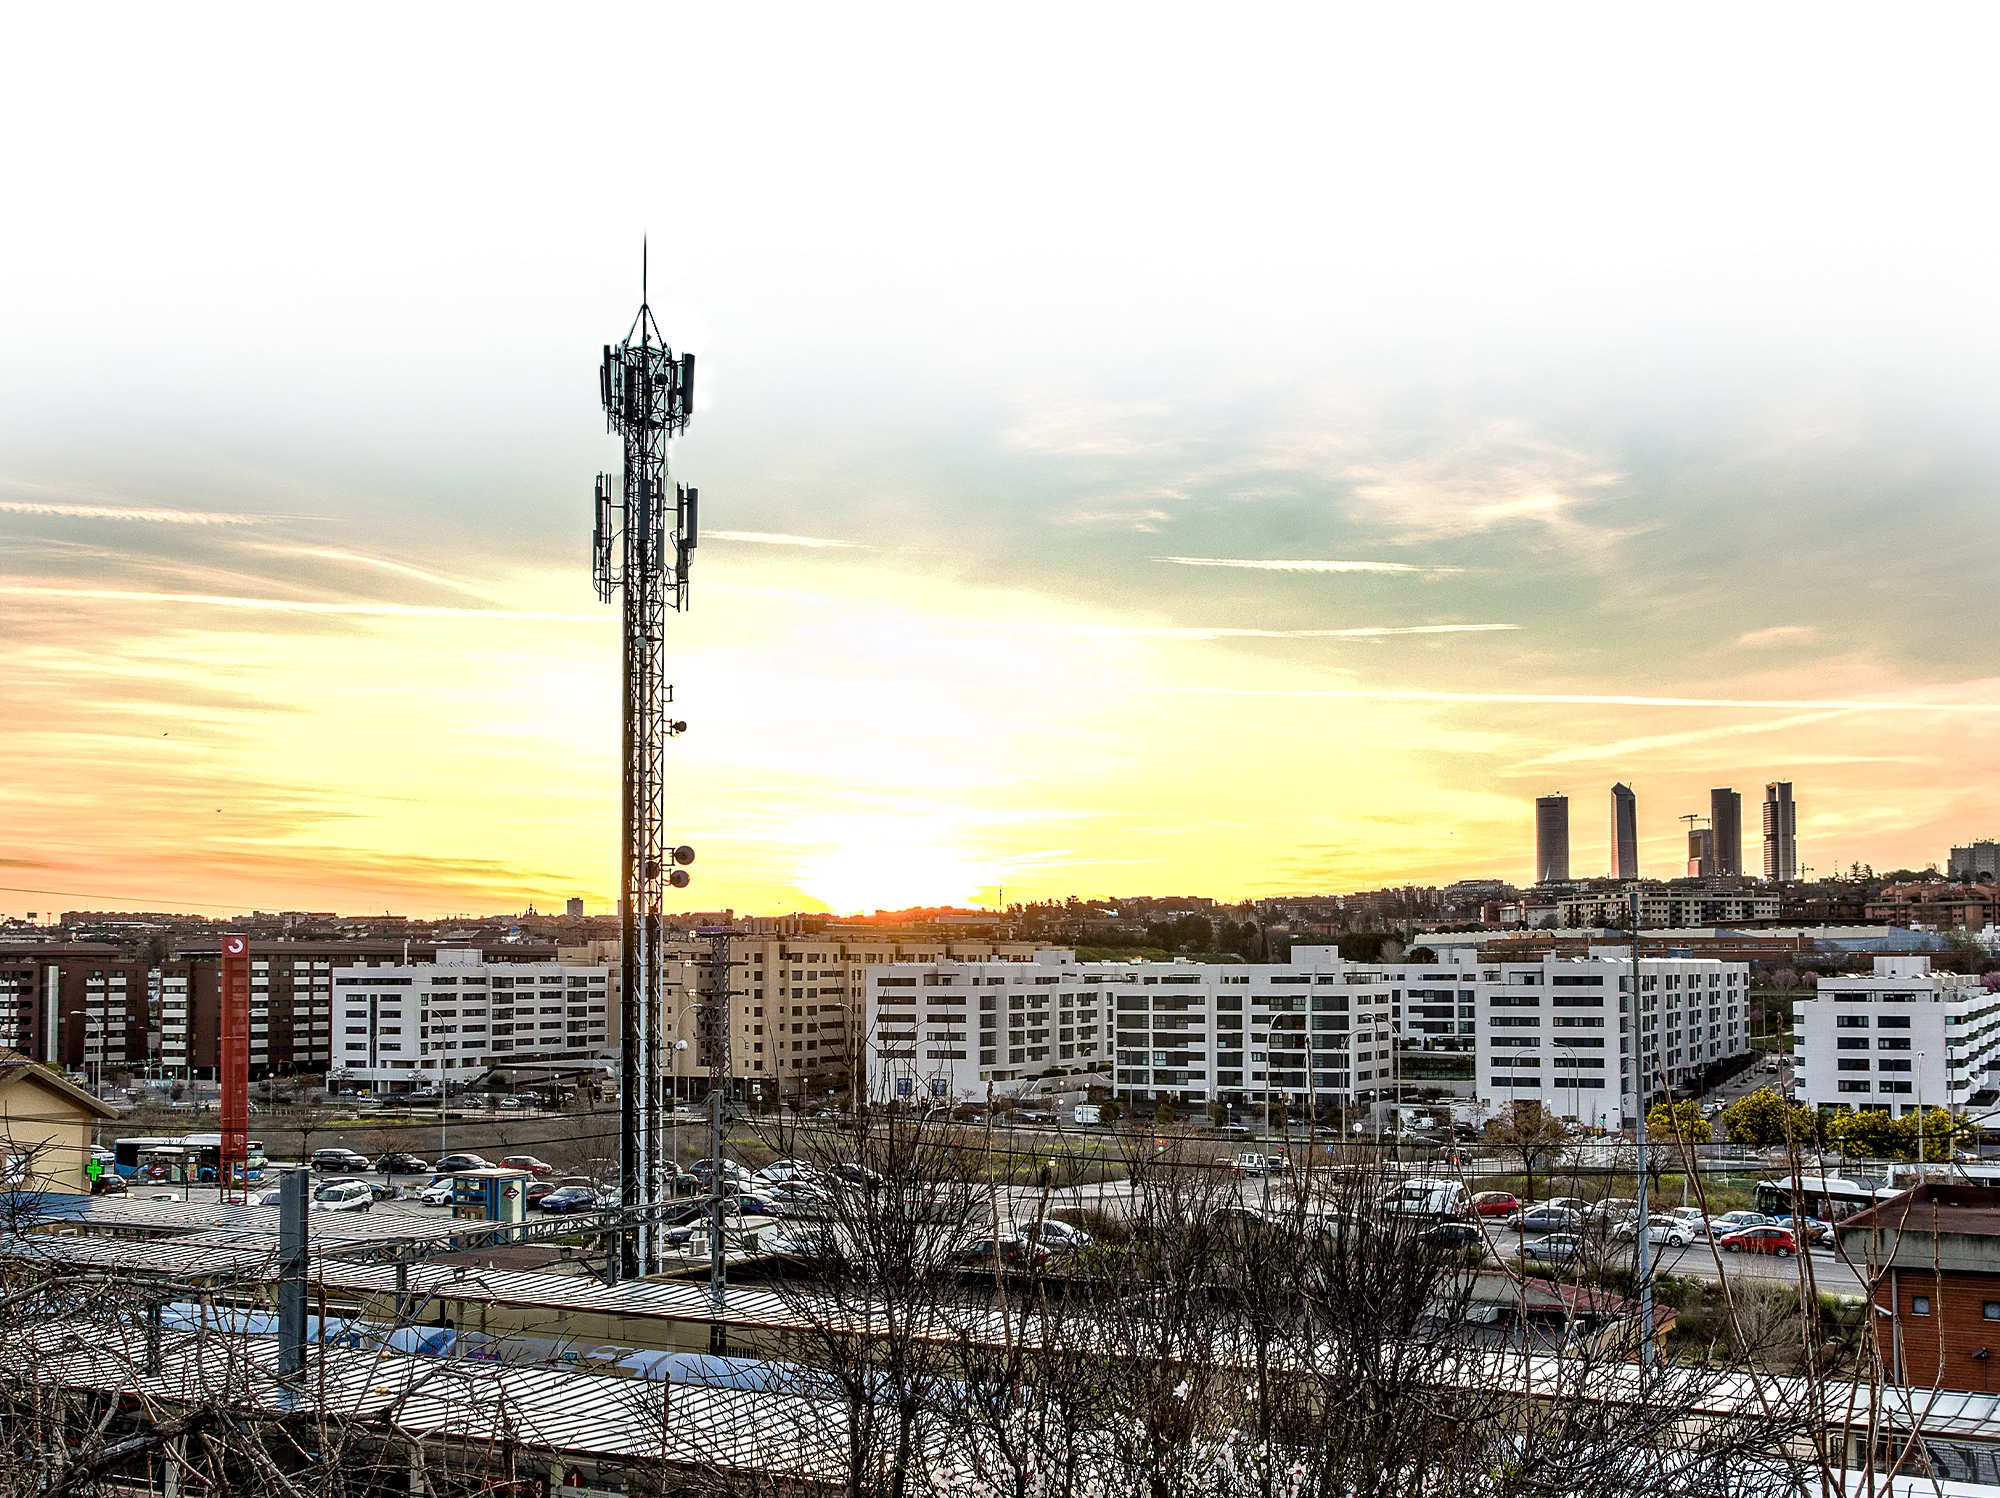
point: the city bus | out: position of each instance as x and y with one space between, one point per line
1829 1198
192 1157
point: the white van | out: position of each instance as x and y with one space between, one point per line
1426 1196
1086 1113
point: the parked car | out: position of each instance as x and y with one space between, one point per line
538 1191
1662 1229
1612 1209
1733 1222
780 1171
453 1163
528 1163
338 1162
1057 1237
108 1184
1544 1220
1239 1219
1495 1204
343 1196
1760 1240
798 1198
396 1163
851 1174
1012 1253
1557 1248
1453 1235
262 1198
437 1193
565 1199
1808 1230
1694 1218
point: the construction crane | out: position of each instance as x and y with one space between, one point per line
644 544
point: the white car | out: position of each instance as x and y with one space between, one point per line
343 1196
1668 1230
437 1193
1058 1237
780 1171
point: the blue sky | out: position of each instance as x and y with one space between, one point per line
1556 354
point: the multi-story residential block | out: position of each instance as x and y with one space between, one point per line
1666 905
80 1005
401 1024
796 1001
1970 907
1898 1038
1979 859
1562 1030
1317 1030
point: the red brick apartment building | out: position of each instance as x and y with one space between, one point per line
80 1005
1936 1252
1969 907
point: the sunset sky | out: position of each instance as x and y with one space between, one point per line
1142 449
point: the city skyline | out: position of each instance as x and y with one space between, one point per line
1290 533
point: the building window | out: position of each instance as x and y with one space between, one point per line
1920 1305
1991 1311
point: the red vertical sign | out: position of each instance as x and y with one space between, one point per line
233 1063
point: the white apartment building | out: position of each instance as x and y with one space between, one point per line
1317 1029
397 1025
1898 1038
1663 906
1560 1030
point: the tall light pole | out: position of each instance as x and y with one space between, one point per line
1639 1135
644 544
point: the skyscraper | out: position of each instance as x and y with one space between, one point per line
1781 832
1725 819
1551 839
1701 852
1624 833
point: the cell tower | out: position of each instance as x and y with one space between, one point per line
644 544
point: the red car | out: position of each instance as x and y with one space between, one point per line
528 1163
1766 1240
1495 1204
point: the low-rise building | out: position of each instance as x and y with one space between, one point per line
1898 1038
1933 1255
46 1126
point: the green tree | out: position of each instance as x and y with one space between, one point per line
1761 1117
1110 1112
1165 1114
1872 1134
1218 1113
1276 1115
1680 1121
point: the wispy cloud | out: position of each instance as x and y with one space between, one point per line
1571 699
287 605
359 559
1224 632
150 513
1625 748
775 538
1777 634
1254 564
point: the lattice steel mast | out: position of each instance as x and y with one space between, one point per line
644 543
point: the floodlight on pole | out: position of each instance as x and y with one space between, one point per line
644 544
